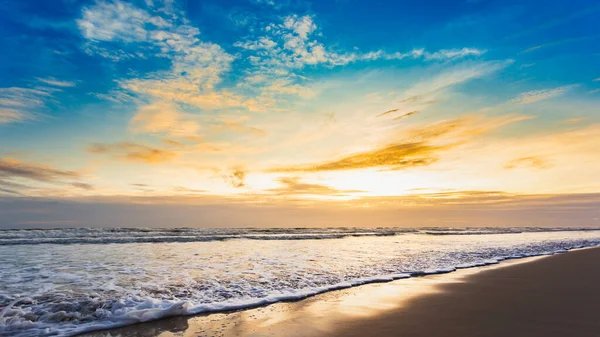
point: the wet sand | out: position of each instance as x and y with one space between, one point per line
557 295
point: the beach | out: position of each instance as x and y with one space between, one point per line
546 296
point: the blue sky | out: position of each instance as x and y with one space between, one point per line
296 102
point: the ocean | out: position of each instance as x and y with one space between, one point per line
61 282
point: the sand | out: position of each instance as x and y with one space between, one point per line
557 295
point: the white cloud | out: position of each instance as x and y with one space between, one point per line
283 49
274 56
18 104
56 83
196 66
539 95
457 75
446 54
106 21
23 97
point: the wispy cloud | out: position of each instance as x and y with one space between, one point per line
558 42
427 91
13 171
164 118
294 186
411 113
13 116
387 112
573 120
457 75
237 125
188 190
56 83
417 147
528 162
133 152
19 104
540 95
16 168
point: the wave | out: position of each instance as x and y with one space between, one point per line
87 314
166 235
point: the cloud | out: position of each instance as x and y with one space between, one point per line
292 44
235 124
188 190
593 91
540 95
164 118
417 147
83 186
528 162
573 120
395 157
386 113
196 66
558 42
133 152
265 2
455 76
284 48
449 54
19 104
13 116
293 186
236 177
56 83
13 169
411 113
106 21
119 30
24 97
12 187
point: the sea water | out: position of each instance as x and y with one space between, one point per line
60 282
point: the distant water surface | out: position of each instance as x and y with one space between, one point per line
61 282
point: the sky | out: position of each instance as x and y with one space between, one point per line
166 113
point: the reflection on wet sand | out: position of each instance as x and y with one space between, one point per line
315 316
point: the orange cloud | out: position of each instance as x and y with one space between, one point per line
165 118
528 162
133 152
416 147
293 186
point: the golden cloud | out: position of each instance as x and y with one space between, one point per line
416 147
133 152
293 186
164 117
528 162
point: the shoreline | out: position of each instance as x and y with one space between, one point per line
404 288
